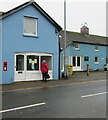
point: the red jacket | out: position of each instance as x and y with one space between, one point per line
44 67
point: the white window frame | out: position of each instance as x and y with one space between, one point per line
96 46
97 60
77 47
31 34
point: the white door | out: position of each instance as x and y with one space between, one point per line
19 67
76 61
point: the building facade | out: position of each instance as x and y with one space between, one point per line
82 49
28 36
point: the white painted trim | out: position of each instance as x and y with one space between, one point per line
75 67
25 64
96 50
96 62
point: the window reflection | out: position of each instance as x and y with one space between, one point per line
32 62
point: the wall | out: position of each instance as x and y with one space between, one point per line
15 41
1 51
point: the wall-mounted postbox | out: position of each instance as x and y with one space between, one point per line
5 66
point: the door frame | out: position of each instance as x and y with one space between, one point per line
77 68
15 78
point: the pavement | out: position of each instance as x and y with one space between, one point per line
77 77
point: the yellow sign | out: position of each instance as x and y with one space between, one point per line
35 60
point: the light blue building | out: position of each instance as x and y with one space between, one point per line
27 36
82 49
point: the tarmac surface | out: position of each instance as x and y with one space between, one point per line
77 77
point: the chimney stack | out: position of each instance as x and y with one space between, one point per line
84 29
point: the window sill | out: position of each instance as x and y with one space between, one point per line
77 49
96 62
96 50
30 36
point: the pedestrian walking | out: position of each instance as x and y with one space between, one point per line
44 70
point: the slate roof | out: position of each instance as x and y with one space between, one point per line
75 37
31 2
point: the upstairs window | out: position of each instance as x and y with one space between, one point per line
86 58
96 48
77 46
96 60
30 26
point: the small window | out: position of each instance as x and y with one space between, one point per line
96 60
106 60
30 26
86 58
77 46
32 63
96 47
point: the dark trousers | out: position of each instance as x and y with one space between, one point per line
44 76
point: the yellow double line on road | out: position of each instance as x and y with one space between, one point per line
49 86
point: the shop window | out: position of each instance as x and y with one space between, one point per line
30 26
48 60
96 60
32 62
86 58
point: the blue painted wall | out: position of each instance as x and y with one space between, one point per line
15 41
87 50
0 51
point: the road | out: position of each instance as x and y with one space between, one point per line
85 100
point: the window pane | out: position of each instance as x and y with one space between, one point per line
48 60
96 47
78 61
30 26
19 62
86 58
74 61
96 59
32 62
76 46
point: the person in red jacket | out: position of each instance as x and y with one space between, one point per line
44 70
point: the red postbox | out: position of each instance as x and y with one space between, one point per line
5 66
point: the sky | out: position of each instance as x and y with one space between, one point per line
78 12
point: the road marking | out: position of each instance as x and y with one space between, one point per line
49 86
23 107
91 95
